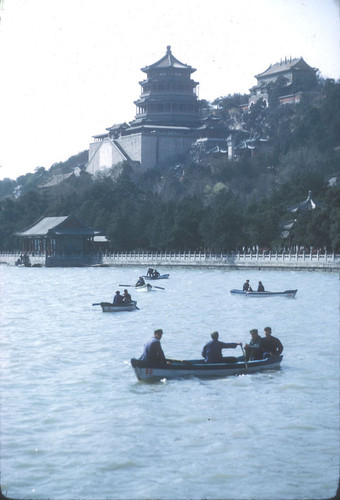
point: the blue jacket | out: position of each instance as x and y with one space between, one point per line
212 351
153 351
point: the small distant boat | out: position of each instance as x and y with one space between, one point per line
147 371
109 307
286 293
144 288
23 261
160 277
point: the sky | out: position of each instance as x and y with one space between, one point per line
71 68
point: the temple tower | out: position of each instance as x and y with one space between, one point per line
166 124
168 94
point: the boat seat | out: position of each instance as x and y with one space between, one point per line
230 359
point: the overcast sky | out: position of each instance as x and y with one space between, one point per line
71 68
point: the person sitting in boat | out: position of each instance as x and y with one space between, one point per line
212 351
118 299
127 297
150 272
141 281
247 287
155 274
254 348
260 287
271 346
153 351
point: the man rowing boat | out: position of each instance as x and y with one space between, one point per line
212 351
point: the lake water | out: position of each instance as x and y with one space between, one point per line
76 423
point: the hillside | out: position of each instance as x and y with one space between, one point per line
204 200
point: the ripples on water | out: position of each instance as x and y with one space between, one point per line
75 422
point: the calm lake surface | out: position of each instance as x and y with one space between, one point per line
76 423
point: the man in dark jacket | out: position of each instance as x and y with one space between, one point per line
254 348
212 351
271 346
153 351
118 299
246 287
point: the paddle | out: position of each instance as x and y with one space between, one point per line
245 358
126 285
160 287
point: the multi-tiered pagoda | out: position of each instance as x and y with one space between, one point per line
166 124
168 95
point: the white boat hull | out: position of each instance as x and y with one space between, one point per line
286 293
144 288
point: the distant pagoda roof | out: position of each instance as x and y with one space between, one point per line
308 204
168 61
286 65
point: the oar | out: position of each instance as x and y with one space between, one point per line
160 287
126 285
97 304
245 358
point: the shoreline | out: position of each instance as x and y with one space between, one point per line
268 261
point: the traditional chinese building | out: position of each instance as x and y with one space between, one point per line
308 204
286 82
166 124
65 241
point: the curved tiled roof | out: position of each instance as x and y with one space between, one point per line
286 65
55 225
168 61
308 204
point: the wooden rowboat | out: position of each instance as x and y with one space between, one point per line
286 293
144 288
109 307
161 277
147 371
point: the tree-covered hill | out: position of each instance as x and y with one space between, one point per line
204 201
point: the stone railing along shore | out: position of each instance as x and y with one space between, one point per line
238 260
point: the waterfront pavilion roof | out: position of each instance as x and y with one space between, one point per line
64 225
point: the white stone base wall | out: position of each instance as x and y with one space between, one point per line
150 149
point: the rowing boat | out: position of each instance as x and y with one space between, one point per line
144 288
286 293
147 371
109 307
160 277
